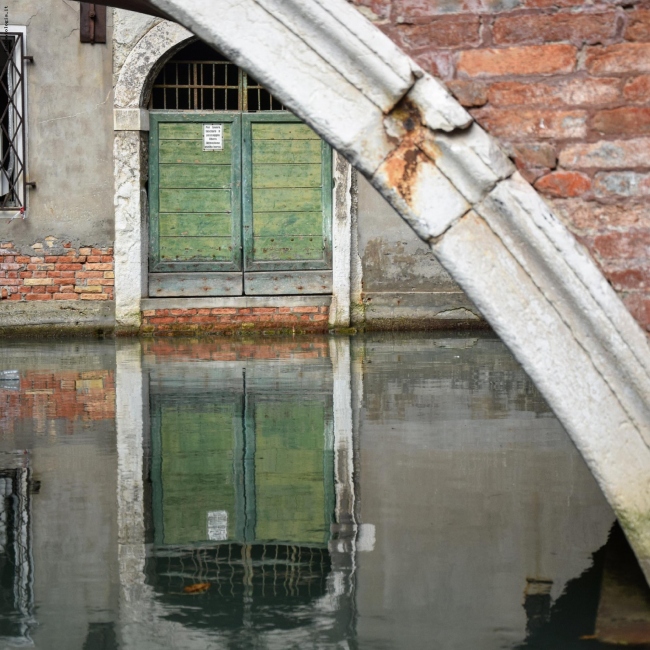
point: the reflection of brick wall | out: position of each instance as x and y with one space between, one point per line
231 319
565 85
221 349
65 395
83 274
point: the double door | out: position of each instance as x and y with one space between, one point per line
240 204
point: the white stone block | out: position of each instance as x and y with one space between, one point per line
439 110
422 195
130 119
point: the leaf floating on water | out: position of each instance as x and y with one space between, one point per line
198 588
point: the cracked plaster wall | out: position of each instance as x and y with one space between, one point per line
70 131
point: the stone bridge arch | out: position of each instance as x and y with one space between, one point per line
449 180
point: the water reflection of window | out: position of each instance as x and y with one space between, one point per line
16 572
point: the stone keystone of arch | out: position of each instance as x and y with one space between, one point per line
450 181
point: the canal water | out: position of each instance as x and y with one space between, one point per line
379 491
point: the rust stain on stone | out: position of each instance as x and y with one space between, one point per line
402 165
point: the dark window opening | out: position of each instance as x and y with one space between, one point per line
198 78
12 121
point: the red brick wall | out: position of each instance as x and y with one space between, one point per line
83 274
68 395
565 85
230 319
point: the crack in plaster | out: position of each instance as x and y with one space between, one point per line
88 110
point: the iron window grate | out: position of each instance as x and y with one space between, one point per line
12 123
209 84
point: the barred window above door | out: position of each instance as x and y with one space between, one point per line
12 122
200 78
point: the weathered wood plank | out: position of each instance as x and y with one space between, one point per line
288 223
188 285
188 130
274 175
287 248
196 224
174 200
287 199
277 283
287 151
179 249
195 176
283 131
191 152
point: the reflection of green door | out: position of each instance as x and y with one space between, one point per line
252 216
260 469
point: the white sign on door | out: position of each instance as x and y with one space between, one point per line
213 137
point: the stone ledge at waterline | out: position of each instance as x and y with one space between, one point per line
419 310
53 318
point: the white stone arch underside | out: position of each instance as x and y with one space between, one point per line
450 181
131 123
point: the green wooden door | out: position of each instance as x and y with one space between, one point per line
287 192
252 217
195 214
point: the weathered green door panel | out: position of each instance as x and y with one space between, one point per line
287 203
284 199
184 249
195 285
176 200
279 175
291 283
287 151
195 195
295 130
288 248
187 130
190 152
268 224
195 176
195 224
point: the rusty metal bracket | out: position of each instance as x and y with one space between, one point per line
93 23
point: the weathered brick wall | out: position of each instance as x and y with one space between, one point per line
231 320
565 85
64 395
83 274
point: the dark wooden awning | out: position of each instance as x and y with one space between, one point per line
141 6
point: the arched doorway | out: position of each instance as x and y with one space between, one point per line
240 190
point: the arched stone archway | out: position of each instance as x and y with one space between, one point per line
449 180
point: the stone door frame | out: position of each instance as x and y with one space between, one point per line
130 155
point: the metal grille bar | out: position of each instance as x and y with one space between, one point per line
12 123
209 86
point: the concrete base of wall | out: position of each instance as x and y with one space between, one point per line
57 318
419 311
